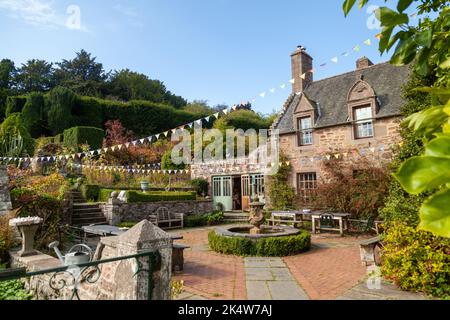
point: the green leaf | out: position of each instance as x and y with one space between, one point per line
385 38
348 5
403 5
428 120
404 52
362 3
390 18
419 174
439 147
425 38
435 214
445 64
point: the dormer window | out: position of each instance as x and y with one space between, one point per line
363 124
305 134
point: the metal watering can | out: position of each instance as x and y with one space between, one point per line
79 253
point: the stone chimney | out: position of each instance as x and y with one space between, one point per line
363 62
302 64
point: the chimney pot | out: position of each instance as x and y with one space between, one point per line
363 62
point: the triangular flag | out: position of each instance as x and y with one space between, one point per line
262 95
283 86
225 111
292 81
272 90
345 54
368 42
303 76
378 36
216 115
207 119
335 59
356 48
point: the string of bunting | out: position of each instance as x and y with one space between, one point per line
149 139
128 169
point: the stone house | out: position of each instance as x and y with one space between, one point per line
348 116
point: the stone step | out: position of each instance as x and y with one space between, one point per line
76 215
84 205
85 212
88 221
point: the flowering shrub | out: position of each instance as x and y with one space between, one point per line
359 188
417 260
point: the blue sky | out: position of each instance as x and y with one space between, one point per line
223 51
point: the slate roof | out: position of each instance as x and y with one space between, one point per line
330 95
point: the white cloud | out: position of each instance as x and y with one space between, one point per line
41 13
128 11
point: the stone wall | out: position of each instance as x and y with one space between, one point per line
117 280
340 140
116 211
5 199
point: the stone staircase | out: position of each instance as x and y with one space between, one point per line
83 213
236 217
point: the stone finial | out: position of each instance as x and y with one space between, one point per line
143 232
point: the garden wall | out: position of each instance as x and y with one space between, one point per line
116 211
5 199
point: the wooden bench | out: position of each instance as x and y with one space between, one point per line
285 217
178 256
163 216
370 251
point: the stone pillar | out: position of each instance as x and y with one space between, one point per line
125 284
111 211
5 199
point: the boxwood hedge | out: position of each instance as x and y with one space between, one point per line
265 247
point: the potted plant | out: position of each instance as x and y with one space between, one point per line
144 185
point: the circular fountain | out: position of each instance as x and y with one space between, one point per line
258 239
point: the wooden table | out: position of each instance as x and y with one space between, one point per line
340 217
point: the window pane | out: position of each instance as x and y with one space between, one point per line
363 113
307 184
305 123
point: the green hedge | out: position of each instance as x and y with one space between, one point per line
204 220
104 195
155 196
76 136
265 247
32 114
90 192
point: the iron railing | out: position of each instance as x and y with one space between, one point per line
88 272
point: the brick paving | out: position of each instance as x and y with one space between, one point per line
208 274
332 269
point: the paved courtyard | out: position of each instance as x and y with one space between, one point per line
331 270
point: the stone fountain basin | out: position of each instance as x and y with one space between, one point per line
243 231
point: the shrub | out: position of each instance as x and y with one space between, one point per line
127 224
104 195
195 221
280 192
201 186
167 164
90 192
358 188
6 235
265 247
14 290
31 115
76 136
210 219
15 104
11 129
417 260
155 196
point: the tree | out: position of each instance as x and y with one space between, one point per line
31 115
35 75
13 133
7 74
129 85
428 47
83 74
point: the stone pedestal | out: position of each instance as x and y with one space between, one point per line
28 233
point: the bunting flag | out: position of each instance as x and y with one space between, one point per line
335 59
368 42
